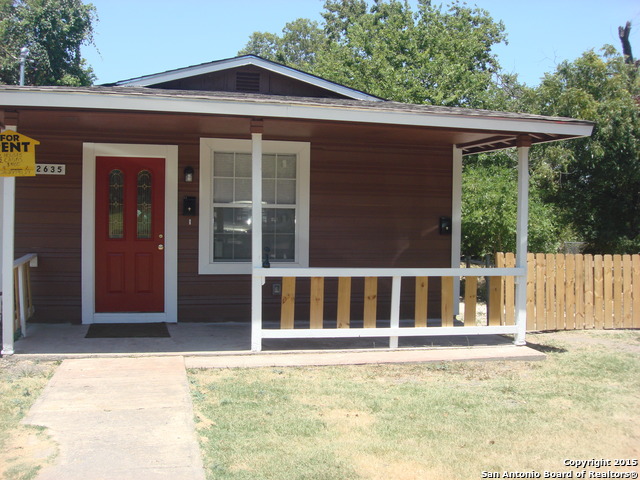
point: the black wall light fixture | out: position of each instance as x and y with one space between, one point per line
188 174
445 225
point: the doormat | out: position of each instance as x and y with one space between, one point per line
127 330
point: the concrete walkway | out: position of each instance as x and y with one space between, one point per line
120 419
365 357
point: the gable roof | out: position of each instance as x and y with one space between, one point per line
242 61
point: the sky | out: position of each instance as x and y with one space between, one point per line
142 37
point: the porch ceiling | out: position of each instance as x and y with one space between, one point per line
339 121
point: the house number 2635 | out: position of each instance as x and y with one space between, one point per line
50 169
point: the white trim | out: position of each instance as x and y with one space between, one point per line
7 253
207 146
456 223
522 243
387 332
227 64
256 192
216 106
394 321
6 285
89 153
256 239
388 272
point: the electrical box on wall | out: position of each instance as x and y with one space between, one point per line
189 206
445 225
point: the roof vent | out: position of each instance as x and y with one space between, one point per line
248 82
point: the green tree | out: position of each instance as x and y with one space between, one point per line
595 181
53 31
489 209
433 56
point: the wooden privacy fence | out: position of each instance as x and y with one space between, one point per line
574 292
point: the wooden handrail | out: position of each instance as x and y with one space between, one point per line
23 300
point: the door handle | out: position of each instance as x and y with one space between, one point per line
160 247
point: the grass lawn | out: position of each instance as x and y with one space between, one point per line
426 421
23 449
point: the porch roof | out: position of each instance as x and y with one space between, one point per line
489 130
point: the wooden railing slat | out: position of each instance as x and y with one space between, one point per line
421 301
446 302
495 301
316 313
344 302
288 302
509 292
370 301
470 300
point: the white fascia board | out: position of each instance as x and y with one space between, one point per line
203 69
212 106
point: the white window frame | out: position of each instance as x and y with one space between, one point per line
206 264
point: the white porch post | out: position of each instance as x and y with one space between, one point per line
523 144
456 223
7 287
256 235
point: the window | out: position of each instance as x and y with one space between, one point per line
225 193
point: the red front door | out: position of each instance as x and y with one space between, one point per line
129 234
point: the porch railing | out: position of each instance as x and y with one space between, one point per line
24 308
341 325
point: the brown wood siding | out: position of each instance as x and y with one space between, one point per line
370 206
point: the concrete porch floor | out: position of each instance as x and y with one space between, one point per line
228 345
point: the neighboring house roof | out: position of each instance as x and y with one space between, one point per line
245 60
492 130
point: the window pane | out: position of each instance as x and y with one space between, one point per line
269 191
284 248
268 166
286 192
232 234
279 229
243 165
144 204
116 205
223 190
243 190
223 164
286 166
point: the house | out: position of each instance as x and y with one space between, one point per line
151 217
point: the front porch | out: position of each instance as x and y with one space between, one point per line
229 345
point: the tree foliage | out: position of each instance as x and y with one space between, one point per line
434 55
596 180
53 31
489 209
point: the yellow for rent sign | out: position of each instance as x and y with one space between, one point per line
17 155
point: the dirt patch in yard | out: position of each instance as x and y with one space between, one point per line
620 340
25 452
